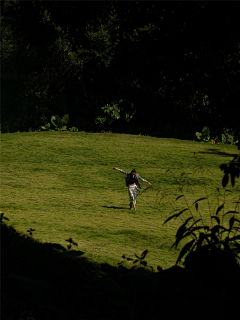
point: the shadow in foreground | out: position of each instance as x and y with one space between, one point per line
47 281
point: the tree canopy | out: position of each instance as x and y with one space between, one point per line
159 68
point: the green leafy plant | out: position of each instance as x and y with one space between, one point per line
46 127
30 231
71 242
204 136
60 124
220 234
217 236
73 129
139 262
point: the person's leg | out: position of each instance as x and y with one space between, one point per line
130 198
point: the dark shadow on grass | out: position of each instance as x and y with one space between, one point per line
47 281
113 207
218 152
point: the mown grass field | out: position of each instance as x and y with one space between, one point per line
62 185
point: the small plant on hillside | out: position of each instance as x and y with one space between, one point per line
138 262
227 137
60 124
46 127
73 129
205 135
30 231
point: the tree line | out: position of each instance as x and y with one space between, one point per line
164 69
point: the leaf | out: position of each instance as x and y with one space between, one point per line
225 180
235 238
196 206
129 259
175 215
135 261
216 218
194 224
185 249
159 269
230 212
199 228
217 228
200 239
137 256
219 208
144 254
144 263
65 119
123 256
199 200
223 167
179 197
231 222
180 232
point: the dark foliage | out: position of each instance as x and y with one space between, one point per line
172 68
44 281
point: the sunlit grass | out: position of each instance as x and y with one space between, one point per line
62 185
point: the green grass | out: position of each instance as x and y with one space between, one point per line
62 185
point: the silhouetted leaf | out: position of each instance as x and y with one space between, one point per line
235 238
232 178
199 200
219 208
144 254
223 167
182 228
199 228
225 180
159 269
229 212
185 249
123 256
231 222
137 256
129 259
215 238
69 240
179 197
217 228
144 263
135 261
216 218
200 240
196 206
176 215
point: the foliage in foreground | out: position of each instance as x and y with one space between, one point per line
222 237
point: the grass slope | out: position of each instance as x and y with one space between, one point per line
62 185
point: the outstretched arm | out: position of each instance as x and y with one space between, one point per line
147 182
116 169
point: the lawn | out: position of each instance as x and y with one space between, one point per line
62 185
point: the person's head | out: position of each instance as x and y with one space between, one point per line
133 172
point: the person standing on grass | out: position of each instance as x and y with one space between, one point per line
132 182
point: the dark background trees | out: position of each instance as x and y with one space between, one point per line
166 69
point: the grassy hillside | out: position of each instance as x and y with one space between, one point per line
62 185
